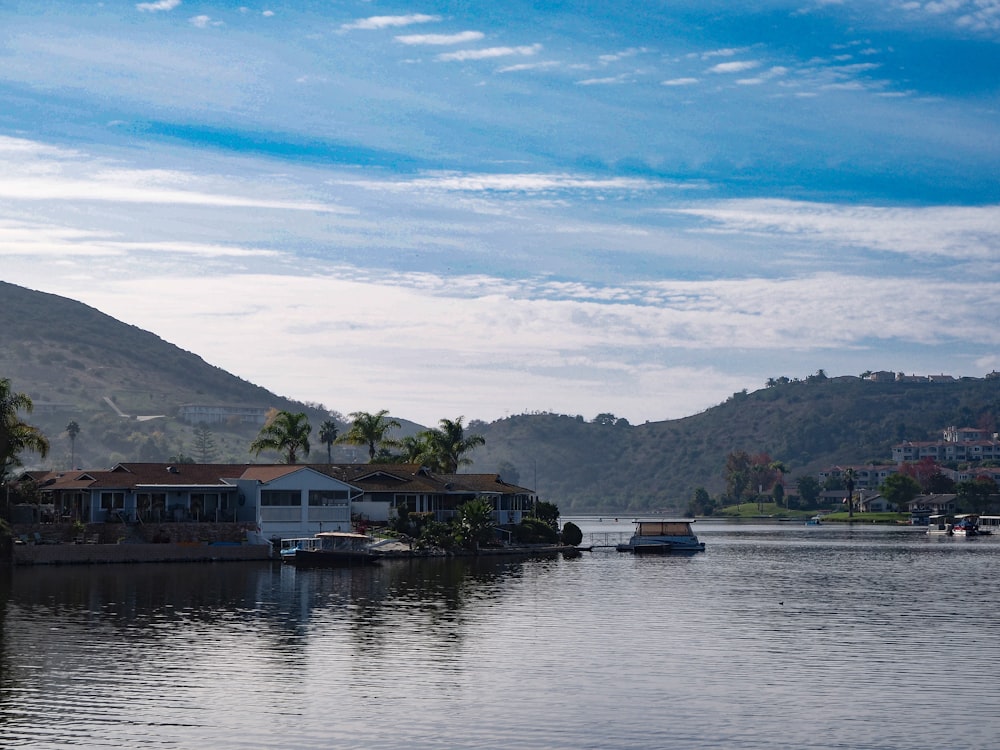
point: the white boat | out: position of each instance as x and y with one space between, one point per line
989 524
328 549
939 524
966 525
662 537
814 521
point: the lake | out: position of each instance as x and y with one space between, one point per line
777 636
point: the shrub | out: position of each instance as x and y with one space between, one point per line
533 531
571 534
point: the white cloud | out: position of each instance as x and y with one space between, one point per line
386 22
680 82
960 233
158 6
624 54
529 66
725 52
524 344
610 80
461 37
203 22
734 67
528 183
488 53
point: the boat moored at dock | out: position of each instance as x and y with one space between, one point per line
329 549
662 537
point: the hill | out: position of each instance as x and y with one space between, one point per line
808 425
79 364
76 363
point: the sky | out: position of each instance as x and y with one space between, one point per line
484 209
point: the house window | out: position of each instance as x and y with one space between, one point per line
112 501
280 498
327 498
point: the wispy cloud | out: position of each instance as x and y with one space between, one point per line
526 183
959 233
542 65
387 22
158 6
734 67
680 82
624 54
607 81
203 22
724 52
461 37
488 53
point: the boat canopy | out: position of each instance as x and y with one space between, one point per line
663 528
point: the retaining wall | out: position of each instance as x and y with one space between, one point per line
70 554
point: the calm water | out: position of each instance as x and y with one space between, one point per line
778 636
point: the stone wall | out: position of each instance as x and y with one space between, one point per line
70 554
113 533
63 543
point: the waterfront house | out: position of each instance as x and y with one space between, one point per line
388 488
277 500
940 503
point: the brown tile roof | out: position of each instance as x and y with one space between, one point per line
375 478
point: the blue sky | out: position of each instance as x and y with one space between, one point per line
486 208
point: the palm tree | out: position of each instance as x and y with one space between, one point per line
371 430
415 448
16 435
449 444
328 436
72 429
285 433
849 481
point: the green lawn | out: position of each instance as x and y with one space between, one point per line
770 510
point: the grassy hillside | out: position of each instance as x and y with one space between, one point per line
807 425
72 359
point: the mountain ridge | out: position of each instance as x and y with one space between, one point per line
79 364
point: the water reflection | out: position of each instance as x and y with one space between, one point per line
774 637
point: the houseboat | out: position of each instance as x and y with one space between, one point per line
328 549
989 524
939 524
662 537
967 525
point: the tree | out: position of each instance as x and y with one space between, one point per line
927 473
475 522
508 472
849 481
204 445
547 513
285 433
605 418
415 448
448 445
737 474
778 493
371 430
899 489
701 503
16 436
975 493
72 429
328 436
809 490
